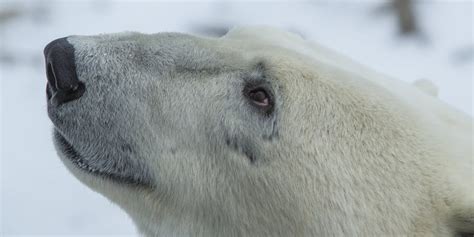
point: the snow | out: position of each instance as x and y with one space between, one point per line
40 197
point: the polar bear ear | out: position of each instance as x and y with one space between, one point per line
462 219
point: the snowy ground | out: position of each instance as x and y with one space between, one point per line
38 195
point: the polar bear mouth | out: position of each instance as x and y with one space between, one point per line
68 150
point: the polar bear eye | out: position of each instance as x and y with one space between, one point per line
260 97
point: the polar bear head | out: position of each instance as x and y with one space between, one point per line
257 133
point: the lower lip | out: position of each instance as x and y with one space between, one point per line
73 156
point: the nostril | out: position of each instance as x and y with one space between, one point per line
49 91
50 76
63 96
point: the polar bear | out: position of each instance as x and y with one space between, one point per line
256 133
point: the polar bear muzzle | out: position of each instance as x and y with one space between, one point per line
77 122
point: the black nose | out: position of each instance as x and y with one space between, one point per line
63 84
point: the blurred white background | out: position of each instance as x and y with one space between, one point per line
40 197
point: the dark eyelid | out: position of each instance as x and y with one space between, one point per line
264 85
258 78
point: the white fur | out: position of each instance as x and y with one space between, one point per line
355 153
427 86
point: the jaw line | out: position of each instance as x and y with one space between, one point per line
71 155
